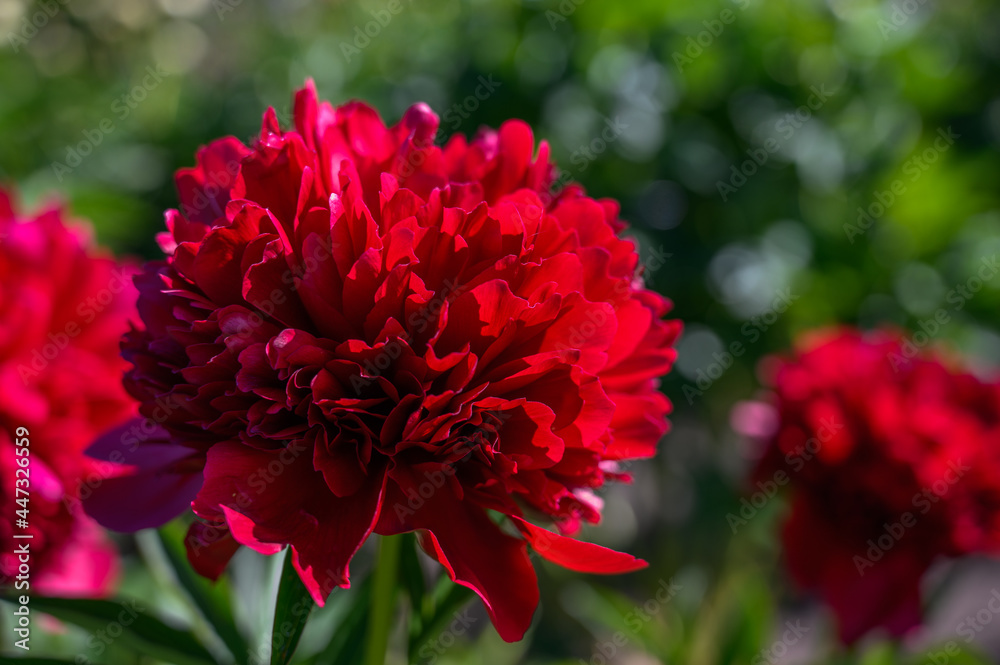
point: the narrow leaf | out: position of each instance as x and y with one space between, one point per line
211 599
347 643
140 631
450 598
291 612
413 580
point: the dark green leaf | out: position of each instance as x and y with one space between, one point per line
212 599
140 631
413 580
450 597
291 612
346 647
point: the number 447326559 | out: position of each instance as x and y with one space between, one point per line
21 474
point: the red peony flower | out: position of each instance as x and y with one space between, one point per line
893 460
355 331
63 310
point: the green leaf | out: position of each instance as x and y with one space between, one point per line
291 612
212 600
347 644
140 631
38 661
413 580
450 597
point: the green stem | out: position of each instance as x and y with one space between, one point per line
383 600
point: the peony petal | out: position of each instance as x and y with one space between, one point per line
209 548
322 557
496 566
574 554
474 551
143 500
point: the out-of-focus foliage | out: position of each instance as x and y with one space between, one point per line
785 164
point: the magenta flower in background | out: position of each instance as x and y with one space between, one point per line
64 306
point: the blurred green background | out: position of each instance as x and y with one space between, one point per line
837 155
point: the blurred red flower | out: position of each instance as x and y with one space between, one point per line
362 332
892 456
64 306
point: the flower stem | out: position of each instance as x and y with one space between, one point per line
383 600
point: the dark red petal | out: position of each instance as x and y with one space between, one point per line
143 500
155 479
878 593
209 548
122 444
496 566
271 498
323 556
205 189
475 552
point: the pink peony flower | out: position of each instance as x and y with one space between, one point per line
64 306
